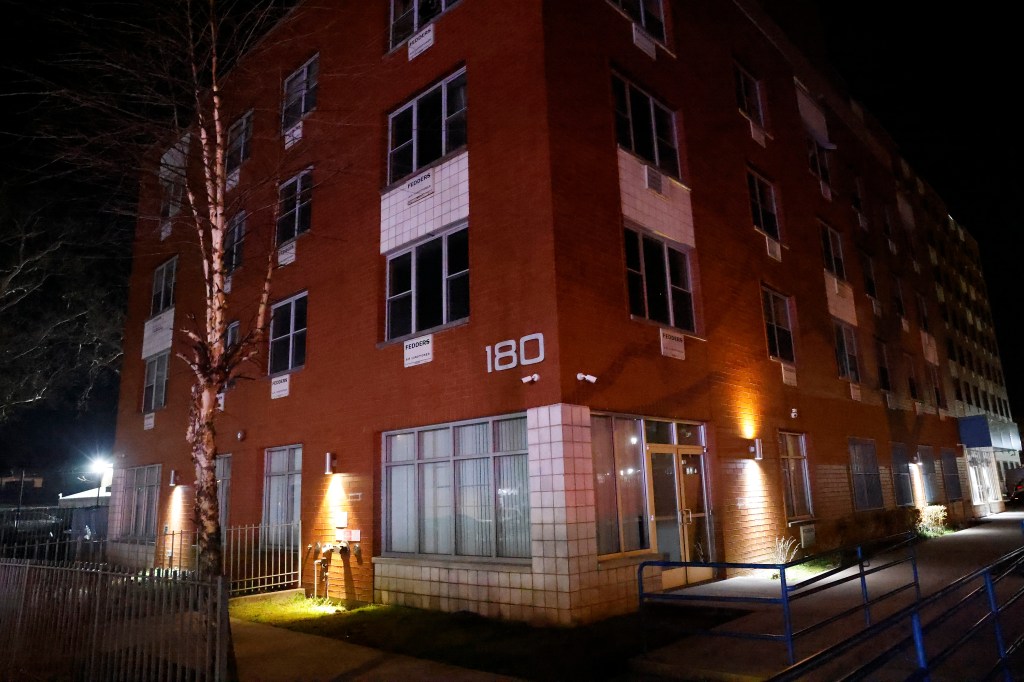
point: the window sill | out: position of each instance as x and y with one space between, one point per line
661 42
433 164
415 335
661 325
802 521
284 372
468 563
648 162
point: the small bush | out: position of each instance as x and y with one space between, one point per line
783 551
932 521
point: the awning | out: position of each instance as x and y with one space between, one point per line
982 431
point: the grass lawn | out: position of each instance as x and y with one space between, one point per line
594 652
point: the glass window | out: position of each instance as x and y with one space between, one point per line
154 392
458 489
748 95
868 266
409 16
222 465
658 278
294 207
867 484
951 475
897 297
239 137
777 325
646 13
233 238
427 128
172 179
138 506
300 93
163 287
282 494
645 126
762 205
846 352
884 380
832 247
912 385
901 478
620 485
795 483
929 475
817 157
428 285
288 335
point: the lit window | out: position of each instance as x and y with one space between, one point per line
901 479
409 16
233 238
428 127
295 206
300 93
239 136
867 484
163 287
846 352
428 285
138 508
659 282
645 126
748 95
458 489
762 205
282 495
288 335
647 13
832 247
777 325
796 486
620 488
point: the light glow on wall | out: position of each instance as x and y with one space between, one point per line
176 511
917 484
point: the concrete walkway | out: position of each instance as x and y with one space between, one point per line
940 562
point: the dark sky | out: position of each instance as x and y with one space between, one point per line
938 78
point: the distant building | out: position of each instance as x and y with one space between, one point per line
563 286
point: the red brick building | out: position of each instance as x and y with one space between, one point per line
561 286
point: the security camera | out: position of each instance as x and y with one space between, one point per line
589 378
530 378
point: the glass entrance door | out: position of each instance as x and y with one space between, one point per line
679 511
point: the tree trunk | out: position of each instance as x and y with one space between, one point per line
207 507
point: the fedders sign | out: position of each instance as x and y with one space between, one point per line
418 351
420 187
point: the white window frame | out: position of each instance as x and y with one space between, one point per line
448 277
847 356
832 251
640 269
773 325
641 17
296 336
164 281
222 472
929 477
300 88
793 453
748 96
417 22
172 179
817 159
294 206
154 388
140 494
763 205
238 142
234 237
419 461
666 160
278 514
866 482
452 119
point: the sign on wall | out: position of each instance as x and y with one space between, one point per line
421 42
148 421
510 353
673 345
280 386
157 333
420 187
418 351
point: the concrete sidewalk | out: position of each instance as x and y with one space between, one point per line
940 562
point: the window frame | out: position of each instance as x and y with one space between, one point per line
772 326
449 119
950 474
291 335
642 20
848 363
870 281
271 533
154 385
222 472
306 97
749 100
832 251
789 493
295 209
671 167
643 272
130 526
902 478
864 471
817 159
884 370
234 237
418 462
764 205
162 296
447 277
417 24
238 140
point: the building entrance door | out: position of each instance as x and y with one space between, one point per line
679 509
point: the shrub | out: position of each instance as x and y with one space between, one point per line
783 551
932 521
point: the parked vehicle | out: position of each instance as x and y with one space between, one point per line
1016 495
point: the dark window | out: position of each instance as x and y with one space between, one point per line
300 93
777 325
870 286
867 484
818 159
163 287
748 95
846 352
239 136
832 247
288 335
645 126
154 392
233 238
901 476
884 380
428 285
409 16
951 475
647 13
428 127
658 279
762 205
295 206
912 386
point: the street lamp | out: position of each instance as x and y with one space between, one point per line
100 467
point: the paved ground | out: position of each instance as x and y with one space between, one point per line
269 654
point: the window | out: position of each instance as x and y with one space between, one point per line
239 136
647 13
427 128
748 95
409 16
922 312
846 352
231 337
458 489
870 286
154 392
762 205
428 285
163 287
139 502
659 283
817 157
777 325
300 93
288 335
620 488
929 477
950 475
912 385
645 126
796 487
282 495
897 297
884 377
222 467
901 479
294 206
867 484
233 242
832 247
936 386
857 198
172 179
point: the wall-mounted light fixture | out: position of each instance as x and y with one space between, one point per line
589 378
530 378
756 449
916 459
330 463
174 477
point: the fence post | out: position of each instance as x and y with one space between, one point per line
94 653
863 585
913 566
21 610
993 606
922 657
787 618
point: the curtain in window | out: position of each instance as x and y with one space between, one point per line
510 435
604 485
472 439
436 508
475 503
513 506
401 530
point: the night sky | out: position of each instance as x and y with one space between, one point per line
936 77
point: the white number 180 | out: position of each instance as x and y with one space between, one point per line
529 350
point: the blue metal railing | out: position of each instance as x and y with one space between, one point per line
789 593
1010 565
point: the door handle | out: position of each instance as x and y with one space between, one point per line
687 516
